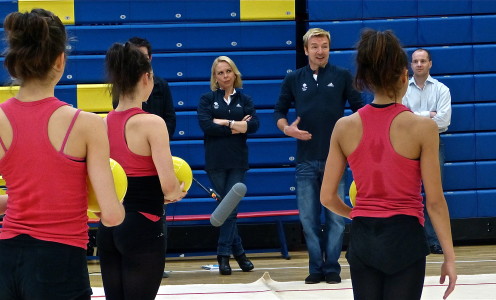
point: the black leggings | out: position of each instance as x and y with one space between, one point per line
372 284
132 258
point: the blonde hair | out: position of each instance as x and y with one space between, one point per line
315 32
238 83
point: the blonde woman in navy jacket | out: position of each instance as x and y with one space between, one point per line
226 117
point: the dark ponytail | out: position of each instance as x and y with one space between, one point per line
381 61
125 64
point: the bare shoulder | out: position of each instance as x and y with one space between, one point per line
418 126
350 122
147 120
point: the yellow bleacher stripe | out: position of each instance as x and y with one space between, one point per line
256 10
64 9
94 98
7 92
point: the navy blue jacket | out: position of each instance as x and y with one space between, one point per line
224 150
319 104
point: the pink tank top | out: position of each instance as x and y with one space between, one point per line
135 165
47 189
387 183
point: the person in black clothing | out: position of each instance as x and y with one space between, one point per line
318 92
226 117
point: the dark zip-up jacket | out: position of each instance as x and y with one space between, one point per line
319 104
224 150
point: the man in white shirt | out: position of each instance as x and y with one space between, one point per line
430 98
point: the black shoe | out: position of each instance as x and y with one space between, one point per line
244 263
436 249
224 267
314 278
332 278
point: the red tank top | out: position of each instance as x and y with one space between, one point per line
135 165
47 189
387 183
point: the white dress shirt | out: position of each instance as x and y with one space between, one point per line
435 96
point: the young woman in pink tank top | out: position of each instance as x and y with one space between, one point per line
132 255
391 151
48 149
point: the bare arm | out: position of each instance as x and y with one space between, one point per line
435 201
334 169
100 175
158 138
3 203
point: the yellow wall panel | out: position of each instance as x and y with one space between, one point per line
7 92
255 10
64 9
94 97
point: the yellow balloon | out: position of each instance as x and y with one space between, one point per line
183 172
120 184
2 186
353 193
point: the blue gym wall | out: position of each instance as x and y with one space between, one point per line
187 35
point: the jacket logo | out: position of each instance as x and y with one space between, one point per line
216 105
330 84
237 105
304 87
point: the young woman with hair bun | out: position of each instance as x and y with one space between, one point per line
47 151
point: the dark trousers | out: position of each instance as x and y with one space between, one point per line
229 240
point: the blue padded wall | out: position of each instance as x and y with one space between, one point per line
444 30
483 29
389 8
126 11
462 204
484 87
461 87
486 204
335 9
443 7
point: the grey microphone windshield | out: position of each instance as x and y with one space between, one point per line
228 204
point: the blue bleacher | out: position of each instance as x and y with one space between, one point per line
462 204
486 206
459 147
484 116
483 7
443 7
187 37
484 58
483 29
485 171
484 85
444 30
460 176
461 87
451 59
462 118
485 144
320 10
344 34
389 8
127 11
405 29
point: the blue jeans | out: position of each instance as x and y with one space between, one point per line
229 240
429 230
324 244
